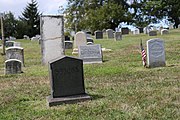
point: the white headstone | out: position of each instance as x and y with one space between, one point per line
136 31
155 53
52 36
80 39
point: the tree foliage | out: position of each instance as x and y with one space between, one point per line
96 14
30 17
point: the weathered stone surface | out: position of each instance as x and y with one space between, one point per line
118 36
155 53
52 33
15 53
164 32
124 31
68 44
10 43
13 66
153 33
109 33
90 53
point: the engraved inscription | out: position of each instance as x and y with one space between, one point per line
91 51
156 50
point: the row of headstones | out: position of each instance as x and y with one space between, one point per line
14 58
110 34
66 73
154 32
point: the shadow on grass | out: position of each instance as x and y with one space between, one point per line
96 96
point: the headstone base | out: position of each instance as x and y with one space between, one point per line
67 100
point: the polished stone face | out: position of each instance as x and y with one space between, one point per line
66 77
155 53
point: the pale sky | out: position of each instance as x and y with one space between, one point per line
45 6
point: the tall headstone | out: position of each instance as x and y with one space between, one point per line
125 31
155 53
109 33
90 53
67 81
80 39
98 34
164 32
13 66
117 36
15 53
52 36
153 33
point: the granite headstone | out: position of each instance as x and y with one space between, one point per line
155 53
13 66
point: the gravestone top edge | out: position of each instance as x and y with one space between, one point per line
12 60
14 48
62 57
154 39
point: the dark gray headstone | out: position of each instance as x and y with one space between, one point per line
15 53
153 33
140 29
67 81
13 66
124 31
90 53
98 34
68 44
67 38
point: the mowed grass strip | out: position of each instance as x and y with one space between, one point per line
121 87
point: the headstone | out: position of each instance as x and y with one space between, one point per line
26 37
98 35
155 53
90 53
67 38
17 44
10 43
140 29
179 26
136 32
153 33
52 32
109 33
90 39
12 38
146 30
164 31
80 39
15 53
88 32
68 44
67 81
34 39
118 36
124 31
13 66
118 30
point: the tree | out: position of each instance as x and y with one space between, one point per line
171 8
31 18
10 23
96 14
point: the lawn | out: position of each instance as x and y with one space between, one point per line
121 88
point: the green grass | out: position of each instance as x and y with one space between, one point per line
121 87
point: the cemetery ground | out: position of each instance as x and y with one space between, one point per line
121 88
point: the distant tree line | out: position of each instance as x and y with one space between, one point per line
27 24
96 15
102 14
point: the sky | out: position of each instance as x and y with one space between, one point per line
44 6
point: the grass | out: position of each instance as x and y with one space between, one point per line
121 87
